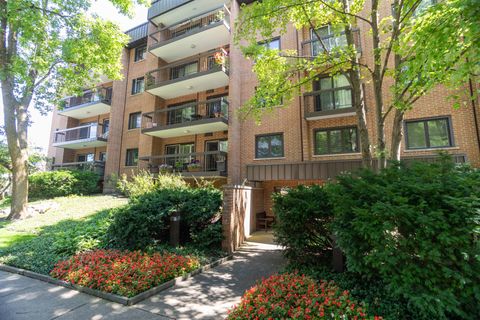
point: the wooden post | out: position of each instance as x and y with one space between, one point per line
338 262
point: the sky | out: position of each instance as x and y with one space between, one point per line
39 131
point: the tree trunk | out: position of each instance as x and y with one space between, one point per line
397 135
359 105
378 89
16 125
19 207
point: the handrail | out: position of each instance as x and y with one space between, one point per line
307 44
186 113
183 155
69 164
92 95
206 61
185 106
189 60
79 127
189 20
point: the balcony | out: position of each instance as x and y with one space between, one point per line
94 166
197 164
193 36
207 71
316 110
91 104
86 136
313 47
187 119
170 12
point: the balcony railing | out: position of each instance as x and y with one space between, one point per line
336 102
161 6
314 47
178 71
93 131
191 25
94 166
101 94
186 114
197 163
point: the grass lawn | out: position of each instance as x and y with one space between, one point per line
37 243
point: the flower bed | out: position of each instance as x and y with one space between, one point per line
125 273
296 296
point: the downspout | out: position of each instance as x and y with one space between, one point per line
474 109
300 105
124 109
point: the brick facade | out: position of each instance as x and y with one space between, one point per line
298 133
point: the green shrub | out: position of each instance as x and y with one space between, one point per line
145 220
144 182
303 217
58 242
50 184
416 228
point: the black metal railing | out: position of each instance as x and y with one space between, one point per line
192 25
186 113
88 131
94 166
314 47
215 60
100 94
196 162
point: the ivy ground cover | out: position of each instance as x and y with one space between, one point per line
294 296
126 273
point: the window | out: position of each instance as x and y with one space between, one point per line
184 70
430 133
102 156
134 120
332 93
132 157
138 85
140 53
423 6
331 141
273 44
269 146
183 112
329 38
105 126
179 149
86 157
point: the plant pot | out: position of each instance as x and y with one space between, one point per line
194 169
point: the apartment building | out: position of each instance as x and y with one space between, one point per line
175 110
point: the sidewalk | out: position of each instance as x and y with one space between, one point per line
205 296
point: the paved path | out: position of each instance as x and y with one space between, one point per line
205 296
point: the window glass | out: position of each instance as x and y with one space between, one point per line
438 133
332 141
416 135
135 120
334 93
140 53
269 146
132 157
138 85
431 133
273 44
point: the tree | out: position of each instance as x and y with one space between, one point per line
49 49
35 160
284 74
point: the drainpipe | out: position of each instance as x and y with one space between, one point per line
124 109
300 104
474 109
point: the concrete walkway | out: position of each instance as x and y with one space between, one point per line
205 296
